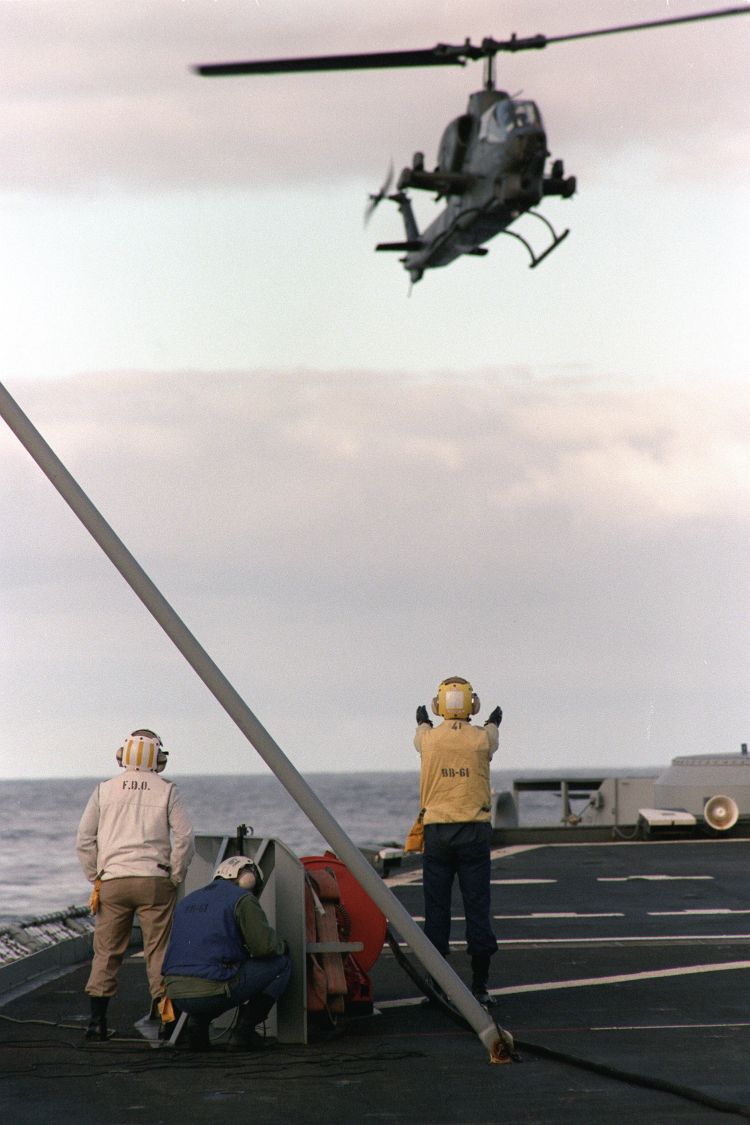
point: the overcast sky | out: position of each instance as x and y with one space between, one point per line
537 480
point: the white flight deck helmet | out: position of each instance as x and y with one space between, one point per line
234 866
142 750
456 699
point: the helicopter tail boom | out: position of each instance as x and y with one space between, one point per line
413 237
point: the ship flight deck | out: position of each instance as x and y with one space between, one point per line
623 973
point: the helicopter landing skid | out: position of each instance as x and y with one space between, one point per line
536 259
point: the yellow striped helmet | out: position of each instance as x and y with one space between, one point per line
142 750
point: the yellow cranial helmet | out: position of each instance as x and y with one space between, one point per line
142 750
455 699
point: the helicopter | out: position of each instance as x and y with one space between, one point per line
491 160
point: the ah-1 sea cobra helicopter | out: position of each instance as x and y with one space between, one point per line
491 161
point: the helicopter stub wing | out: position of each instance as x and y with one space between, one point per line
444 183
414 245
557 185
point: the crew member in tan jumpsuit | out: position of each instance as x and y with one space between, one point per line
455 799
134 843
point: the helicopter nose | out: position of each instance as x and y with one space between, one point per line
525 148
528 142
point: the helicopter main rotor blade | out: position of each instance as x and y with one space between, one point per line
441 55
537 42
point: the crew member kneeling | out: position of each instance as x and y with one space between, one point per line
223 954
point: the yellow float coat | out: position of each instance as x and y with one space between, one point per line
455 777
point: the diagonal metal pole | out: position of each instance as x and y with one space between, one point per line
496 1041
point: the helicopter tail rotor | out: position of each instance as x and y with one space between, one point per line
380 195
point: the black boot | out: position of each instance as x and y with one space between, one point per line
198 1035
97 1028
480 972
245 1037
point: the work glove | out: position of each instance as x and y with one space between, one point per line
94 898
422 716
495 717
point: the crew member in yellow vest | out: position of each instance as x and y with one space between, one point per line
455 798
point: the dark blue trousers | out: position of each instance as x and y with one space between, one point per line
268 975
461 850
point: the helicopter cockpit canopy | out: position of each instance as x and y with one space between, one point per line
505 117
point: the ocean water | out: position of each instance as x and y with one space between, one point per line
39 870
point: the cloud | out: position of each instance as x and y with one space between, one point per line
350 461
348 536
656 455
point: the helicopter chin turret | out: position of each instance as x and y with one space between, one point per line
519 191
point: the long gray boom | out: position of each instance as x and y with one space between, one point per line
496 1041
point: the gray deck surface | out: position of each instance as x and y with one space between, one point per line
642 986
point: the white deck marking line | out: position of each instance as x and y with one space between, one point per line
615 939
630 844
550 914
412 1002
520 882
622 978
494 882
668 1026
541 914
414 877
514 849
649 878
406 878
621 939
545 915
678 913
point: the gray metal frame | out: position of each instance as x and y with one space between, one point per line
283 900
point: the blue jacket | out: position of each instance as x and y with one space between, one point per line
206 940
